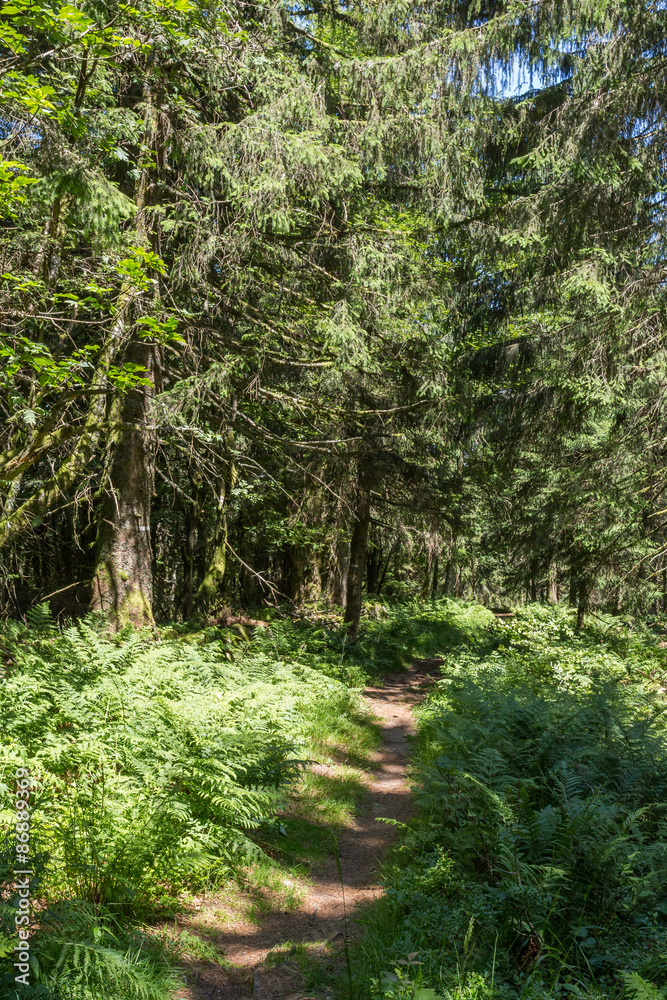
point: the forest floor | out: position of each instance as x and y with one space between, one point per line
280 951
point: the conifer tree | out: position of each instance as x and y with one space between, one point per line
321 245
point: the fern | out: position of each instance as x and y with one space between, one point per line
92 970
636 988
39 618
543 780
154 765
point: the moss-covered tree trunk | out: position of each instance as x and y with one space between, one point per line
123 578
305 580
211 586
210 589
358 549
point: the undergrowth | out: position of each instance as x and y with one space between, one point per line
173 764
537 866
160 768
391 636
170 766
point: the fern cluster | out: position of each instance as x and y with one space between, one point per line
538 864
153 763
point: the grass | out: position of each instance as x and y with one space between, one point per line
183 945
325 802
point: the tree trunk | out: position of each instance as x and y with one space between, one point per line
430 573
533 589
193 545
394 548
448 583
355 576
581 610
583 593
574 587
189 546
123 579
305 581
373 561
211 586
552 594
339 570
451 583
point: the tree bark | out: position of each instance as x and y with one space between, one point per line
358 548
533 586
123 579
452 575
449 577
581 611
305 581
574 587
430 573
211 586
434 583
189 546
339 571
552 594
373 562
393 549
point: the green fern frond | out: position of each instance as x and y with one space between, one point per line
636 988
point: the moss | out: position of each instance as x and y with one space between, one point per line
135 610
212 582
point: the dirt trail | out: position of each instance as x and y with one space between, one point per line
362 845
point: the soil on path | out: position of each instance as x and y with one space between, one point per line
320 920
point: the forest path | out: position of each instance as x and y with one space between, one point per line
317 927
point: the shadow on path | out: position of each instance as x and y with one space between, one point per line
320 921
